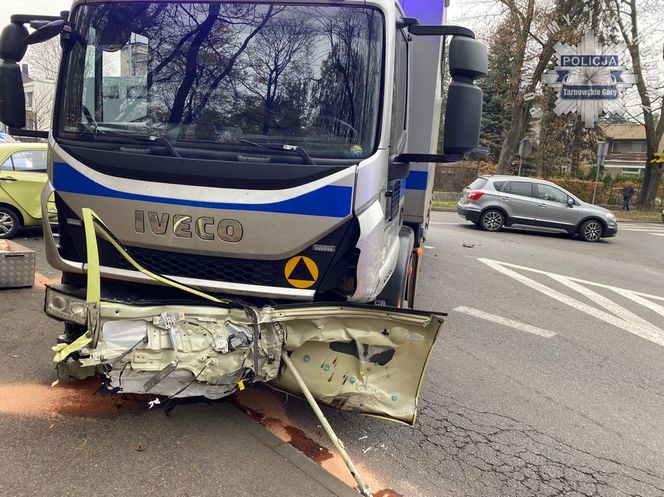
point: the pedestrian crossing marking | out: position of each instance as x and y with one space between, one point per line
646 228
604 308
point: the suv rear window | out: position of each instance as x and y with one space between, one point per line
478 184
522 188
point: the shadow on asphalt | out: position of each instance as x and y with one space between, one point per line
527 232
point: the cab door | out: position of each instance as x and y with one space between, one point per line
22 178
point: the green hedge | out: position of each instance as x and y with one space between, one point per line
584 189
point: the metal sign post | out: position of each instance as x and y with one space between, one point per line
525 149
602 149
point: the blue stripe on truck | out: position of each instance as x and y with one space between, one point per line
417 180
328 201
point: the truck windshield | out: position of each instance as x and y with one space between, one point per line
217 75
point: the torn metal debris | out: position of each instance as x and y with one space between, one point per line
358 358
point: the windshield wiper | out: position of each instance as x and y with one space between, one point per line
95 130
283 146
156 139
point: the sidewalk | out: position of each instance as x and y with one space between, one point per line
70 440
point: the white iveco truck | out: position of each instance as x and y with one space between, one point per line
239 198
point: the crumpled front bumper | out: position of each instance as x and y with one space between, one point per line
356 358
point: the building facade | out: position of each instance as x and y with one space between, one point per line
627 152
39 95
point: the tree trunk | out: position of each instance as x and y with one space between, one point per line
648 190
511 141
577 144
654 130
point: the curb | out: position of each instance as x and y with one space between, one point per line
286 451
628 221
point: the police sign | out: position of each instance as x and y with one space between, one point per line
589 78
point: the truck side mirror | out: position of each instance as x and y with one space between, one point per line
12 97
467 62
46 31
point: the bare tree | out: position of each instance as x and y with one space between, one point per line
40 112
625 13
277 50
43 59
533 47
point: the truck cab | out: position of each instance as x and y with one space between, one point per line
253 152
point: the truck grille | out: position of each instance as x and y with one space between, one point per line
203 267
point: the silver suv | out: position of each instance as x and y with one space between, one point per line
492 202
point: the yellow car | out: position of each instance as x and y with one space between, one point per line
22 179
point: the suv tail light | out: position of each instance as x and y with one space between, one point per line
475 195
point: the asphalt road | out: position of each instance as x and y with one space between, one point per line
547 380
506 412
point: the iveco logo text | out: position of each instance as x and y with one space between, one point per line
182 226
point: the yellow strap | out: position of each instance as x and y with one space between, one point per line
91 223
91 218
94 278
63 352
59 347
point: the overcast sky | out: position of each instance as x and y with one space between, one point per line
47 7
53 7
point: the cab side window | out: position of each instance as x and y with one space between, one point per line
400 95
552 194
29 160
521 188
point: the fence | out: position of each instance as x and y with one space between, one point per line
455 177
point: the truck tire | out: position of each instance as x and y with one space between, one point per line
394 292
413 275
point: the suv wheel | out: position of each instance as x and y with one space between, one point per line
492 220
591 230
9 223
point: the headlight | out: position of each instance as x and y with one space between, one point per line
62 306
611 215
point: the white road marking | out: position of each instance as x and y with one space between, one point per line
444 222
617 316
506 322
640 300
641 228
650 229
